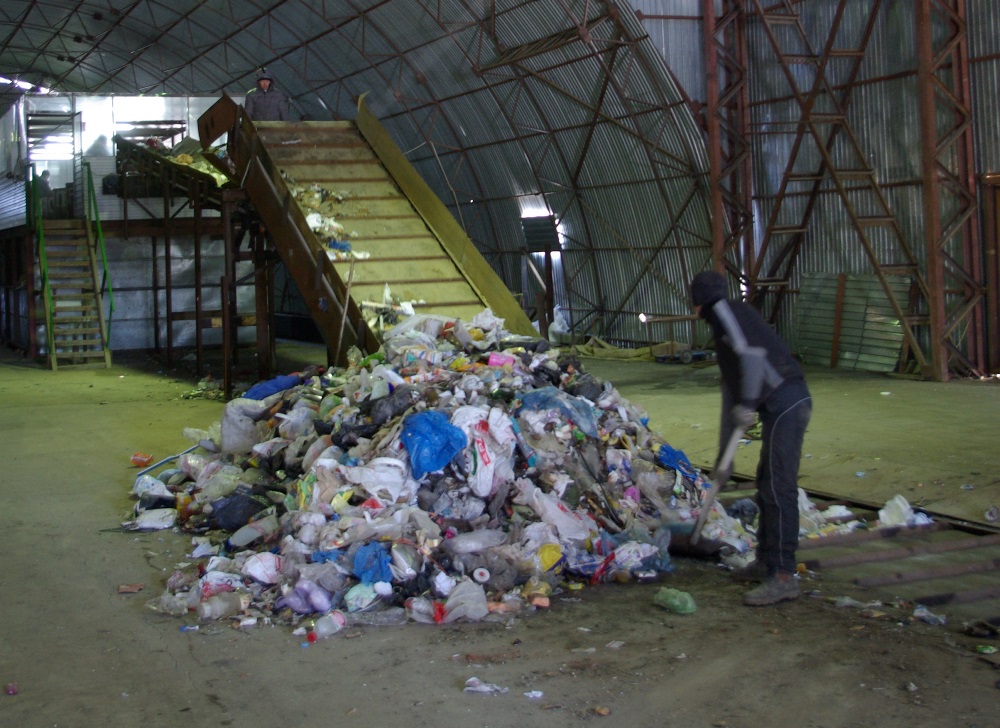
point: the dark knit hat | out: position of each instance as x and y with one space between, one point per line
264 74
707 288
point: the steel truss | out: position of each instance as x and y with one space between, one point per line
955 274
945 322
727 117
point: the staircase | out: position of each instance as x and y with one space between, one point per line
74 315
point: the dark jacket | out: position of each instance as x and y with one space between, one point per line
753 360
270 105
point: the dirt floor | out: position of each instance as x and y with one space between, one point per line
81 654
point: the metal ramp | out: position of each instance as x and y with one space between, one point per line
404 236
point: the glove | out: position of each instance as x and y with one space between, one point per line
742 416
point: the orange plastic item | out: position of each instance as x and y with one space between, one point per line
141 459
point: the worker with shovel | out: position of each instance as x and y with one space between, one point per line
759 375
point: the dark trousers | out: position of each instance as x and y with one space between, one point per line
784 416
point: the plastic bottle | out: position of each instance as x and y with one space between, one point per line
329 624
526 450
220 606
261 528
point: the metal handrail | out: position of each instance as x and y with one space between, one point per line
34 215
91 207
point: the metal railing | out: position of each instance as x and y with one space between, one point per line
34 217
93 216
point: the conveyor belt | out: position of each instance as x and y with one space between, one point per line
407 239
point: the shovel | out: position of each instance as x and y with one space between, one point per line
724 462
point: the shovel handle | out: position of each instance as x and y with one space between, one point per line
724 462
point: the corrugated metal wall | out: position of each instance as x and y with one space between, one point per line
596 127
883 112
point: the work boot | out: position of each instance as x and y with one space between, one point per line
780 587
752 573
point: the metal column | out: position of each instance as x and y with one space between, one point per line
957 304
727 122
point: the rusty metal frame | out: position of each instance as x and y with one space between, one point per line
727 120
954 257
821 128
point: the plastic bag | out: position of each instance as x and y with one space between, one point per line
474 541
383 478
466 601
273 386
360 597
296 423
570 525
244 423
674 600
668 457
371 564
236 510
575 409
490 452
307 597
156 519
431 441
897 512
264 567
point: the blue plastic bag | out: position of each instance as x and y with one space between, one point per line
431 440
371 564
263 390
574 409
676 460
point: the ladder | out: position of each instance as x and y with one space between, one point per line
74 313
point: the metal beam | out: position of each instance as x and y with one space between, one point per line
958 320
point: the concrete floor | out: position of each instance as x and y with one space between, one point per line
84 655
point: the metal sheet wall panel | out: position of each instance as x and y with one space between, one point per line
869 334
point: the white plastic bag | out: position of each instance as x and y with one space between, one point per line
571 525
490 452
385 478
896 512
466 601
264 567
153 520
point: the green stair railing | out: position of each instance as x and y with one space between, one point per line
93 216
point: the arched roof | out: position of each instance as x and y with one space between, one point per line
507 109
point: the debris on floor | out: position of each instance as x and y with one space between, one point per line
459 473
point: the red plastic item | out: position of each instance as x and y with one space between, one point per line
439 612
141 459
373 504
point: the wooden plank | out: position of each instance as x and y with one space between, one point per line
904 552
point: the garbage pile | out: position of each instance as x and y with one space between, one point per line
460 472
